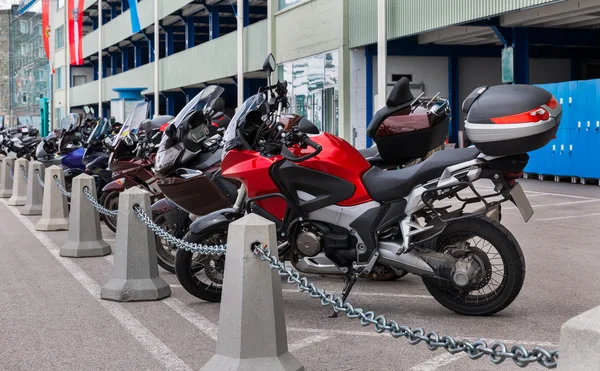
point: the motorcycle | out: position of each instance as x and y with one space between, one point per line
131 160
325 198
19 142
192 184
95 157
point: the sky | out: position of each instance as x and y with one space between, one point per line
5 4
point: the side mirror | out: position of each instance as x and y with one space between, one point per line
147 125
307 127
269 64
108 142
92 111
219 105
171 131
86 109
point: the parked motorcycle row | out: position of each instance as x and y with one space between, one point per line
378 213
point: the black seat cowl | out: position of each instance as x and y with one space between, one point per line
393 185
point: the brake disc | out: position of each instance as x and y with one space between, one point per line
214 268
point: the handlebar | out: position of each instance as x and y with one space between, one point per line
288 155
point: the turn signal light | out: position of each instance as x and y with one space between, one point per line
120 182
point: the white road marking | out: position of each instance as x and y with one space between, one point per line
199 321
145 337
109 239
566 217
557 204
358 293
176 286
307 342
110 259
437 362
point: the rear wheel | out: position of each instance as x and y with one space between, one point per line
176 223
110 200
499 271
202 275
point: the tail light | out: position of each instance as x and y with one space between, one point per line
534 115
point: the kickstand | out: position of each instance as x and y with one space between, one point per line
349 282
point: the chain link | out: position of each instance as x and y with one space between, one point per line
10 171
101 209
24 172
60 187
497 351
39 177
187 246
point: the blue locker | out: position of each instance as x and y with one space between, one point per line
592 161
579 128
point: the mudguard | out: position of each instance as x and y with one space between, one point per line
223 216
119 185
163 205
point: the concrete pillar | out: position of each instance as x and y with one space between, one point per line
135 268
19 192
6 181
252 333
35 191
54 208
580 342
85 235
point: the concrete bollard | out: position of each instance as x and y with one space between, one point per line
135 268
580 342
85 235
252 332
19 192
35 191
54 207
6 182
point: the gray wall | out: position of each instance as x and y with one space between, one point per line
5 16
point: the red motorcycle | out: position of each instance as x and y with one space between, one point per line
132 159
325 198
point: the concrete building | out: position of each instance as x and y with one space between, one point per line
328 51
5 19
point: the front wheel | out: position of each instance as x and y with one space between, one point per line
202 275
110 201
499 272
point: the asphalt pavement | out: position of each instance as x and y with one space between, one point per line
51 316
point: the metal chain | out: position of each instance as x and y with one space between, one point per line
60 187
39 178
187 246
10 171
497 351
101 209
24 172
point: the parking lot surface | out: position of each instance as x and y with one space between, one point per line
52 317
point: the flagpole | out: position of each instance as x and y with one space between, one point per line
240 52
68 61
156 58
100 74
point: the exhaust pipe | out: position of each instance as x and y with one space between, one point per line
409 261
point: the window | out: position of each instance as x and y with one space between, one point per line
79 80
59 114
60 37
60 4
60 78
286 3
24 27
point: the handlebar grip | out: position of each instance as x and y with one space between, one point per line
311 143
288 155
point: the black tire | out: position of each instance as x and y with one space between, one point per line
187 264
110 200
511 257
166 253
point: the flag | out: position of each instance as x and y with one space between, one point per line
47 32
135 19
75 13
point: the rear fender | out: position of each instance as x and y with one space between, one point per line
219 217
119 185
163 205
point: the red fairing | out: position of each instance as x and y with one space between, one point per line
252 170
340 159
337 158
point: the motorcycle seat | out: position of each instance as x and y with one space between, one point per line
392 185
371 152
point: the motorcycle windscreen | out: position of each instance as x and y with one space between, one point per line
132 123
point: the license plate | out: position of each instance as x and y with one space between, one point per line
519 198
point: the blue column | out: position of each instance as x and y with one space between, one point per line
124 6
94 23
521 55
453 98
114 64
169 44
246 12
95 69
103 15
151 49
104 67
151 100
369 90
113 11
213 23
170 97
189 32
137 55
125 59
